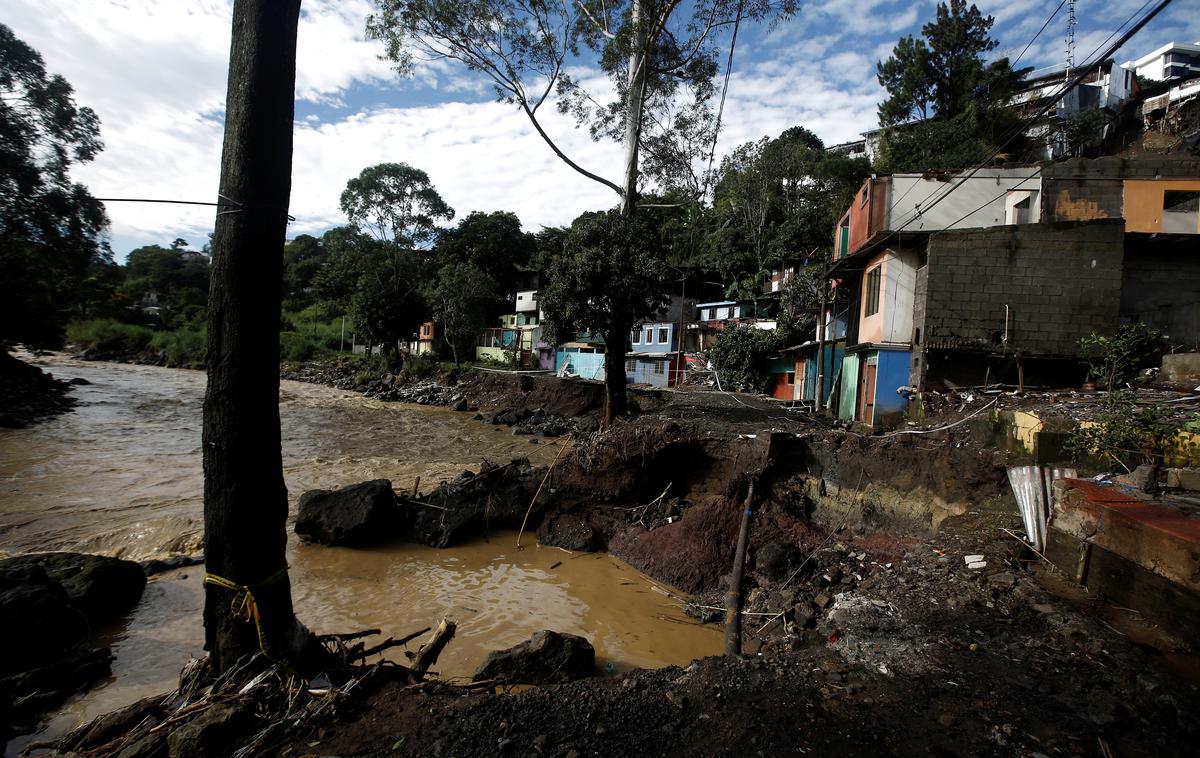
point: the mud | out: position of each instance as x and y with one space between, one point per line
921 657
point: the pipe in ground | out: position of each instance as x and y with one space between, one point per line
733 598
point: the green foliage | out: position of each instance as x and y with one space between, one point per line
740 357
1124 430
463 300
423 366
609 275
491 242
1115 359
182 348
937 144
296 347
303 259
107 335
174 279
943 73
777 200
50 227
1084 131
395 203
942 76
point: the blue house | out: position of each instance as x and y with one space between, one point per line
654 357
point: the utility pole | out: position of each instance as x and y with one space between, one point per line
248 601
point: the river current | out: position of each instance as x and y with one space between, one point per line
121 475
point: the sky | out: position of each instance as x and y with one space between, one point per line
155 73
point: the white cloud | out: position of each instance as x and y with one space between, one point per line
155 72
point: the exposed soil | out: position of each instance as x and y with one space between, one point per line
921 657
28 394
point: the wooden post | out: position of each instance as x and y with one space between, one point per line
733 598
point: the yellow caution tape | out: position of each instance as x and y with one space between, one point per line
243 605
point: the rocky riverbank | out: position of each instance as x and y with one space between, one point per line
52 604
28 394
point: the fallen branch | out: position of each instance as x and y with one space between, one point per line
390 643
428 653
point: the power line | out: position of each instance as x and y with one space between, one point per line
1052 102
1039 33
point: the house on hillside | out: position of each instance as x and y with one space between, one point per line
658 346
428 335
1173 61
518 337
880 243
996 282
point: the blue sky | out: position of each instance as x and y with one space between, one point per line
155 73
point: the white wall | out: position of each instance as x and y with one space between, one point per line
983 196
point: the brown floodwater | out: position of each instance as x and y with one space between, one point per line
121 475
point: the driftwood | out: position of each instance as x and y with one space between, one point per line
428 653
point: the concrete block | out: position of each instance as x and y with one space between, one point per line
1181 368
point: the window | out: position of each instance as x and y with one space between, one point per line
862 203
630 366
791 377
1181 212
648 337
660 367
871 296
662 335
637 336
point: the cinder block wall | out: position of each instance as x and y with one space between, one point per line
1161 286
1060 282
1084 189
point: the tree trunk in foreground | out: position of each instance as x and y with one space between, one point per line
614 374
245 499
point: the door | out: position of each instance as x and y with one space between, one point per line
866 399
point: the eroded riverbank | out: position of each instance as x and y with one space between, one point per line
121 475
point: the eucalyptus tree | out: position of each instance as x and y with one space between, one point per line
662 59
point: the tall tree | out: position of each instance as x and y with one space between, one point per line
463 300
661 58
944 78
248 600
50 227
399 208
395 203
776 201
609 276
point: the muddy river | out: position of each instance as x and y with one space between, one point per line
121 475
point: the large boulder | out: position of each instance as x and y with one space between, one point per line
102 588
39 621
356 515
546 658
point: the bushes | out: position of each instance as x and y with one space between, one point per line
296 347
183 348
106 335
740 357
1116 359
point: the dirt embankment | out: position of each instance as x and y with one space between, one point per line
921 657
